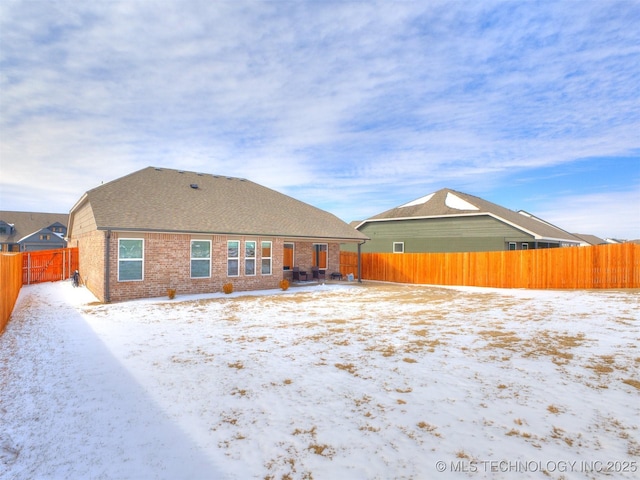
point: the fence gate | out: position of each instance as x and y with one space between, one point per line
48 265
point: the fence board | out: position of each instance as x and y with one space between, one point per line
49 265
603 266
23 268
10 284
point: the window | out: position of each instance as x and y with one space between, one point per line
512 245
250 258
525 246
320 255
200 258
233 258
266 258
130 259
398 247
45 237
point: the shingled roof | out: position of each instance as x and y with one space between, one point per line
167 200
450 203
26 223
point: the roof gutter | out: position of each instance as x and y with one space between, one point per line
250 234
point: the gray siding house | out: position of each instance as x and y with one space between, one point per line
158 229
31 231
451 221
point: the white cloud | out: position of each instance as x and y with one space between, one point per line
381 102
615 214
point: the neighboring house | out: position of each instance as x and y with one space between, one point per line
160 228
30 231
587 240
450 221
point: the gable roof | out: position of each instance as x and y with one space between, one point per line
167 200
28 223
34 237
450 203
590 239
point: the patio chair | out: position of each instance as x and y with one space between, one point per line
299 275
317 274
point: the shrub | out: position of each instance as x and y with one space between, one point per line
284 284
227 288
171 293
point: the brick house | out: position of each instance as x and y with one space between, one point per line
159 228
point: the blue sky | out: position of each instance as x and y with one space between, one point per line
355 107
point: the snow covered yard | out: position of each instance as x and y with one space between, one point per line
324 382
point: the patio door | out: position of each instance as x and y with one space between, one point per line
320 255
287 261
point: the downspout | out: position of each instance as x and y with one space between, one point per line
107 268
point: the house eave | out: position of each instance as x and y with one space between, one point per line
535 235
237 234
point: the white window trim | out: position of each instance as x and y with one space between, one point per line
515 246
254 258
270 258
199 258
141 279
233 258
398 243
525 246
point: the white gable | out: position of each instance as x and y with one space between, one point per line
453 201
418 201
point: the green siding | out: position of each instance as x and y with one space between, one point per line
455 234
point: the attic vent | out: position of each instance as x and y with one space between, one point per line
194 186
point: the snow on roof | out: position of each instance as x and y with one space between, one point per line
418 201
454 201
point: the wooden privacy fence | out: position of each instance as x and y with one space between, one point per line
24 268
48 265
604 266
10 284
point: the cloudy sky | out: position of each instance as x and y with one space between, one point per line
353 106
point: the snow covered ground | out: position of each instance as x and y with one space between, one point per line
322 382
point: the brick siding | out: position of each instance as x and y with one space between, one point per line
167 264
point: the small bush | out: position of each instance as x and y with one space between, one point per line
171 293
284 284
227 288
